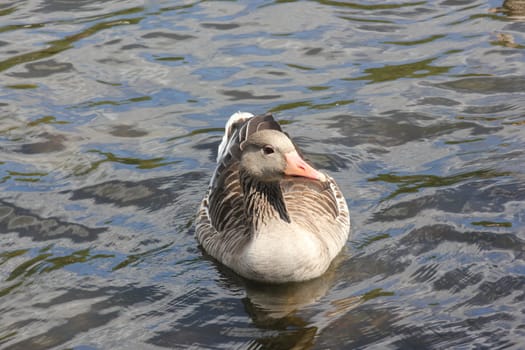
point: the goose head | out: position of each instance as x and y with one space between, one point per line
269 155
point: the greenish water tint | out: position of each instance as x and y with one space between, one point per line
148 163
6 290
198 132
291 105
309 105
463 141
291 65
414 183
22 176
135 259
376 293
22 86
492 224
28 268
110 117
47 120
318 88
115 103
19 173
5 256
174 59
14 27
413 70
370 240
7 11
46 262
57 46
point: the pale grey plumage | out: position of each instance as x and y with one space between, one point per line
261 223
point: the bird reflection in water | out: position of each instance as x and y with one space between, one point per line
291 307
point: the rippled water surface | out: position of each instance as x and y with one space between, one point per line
110 116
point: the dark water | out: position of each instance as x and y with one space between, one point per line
110 115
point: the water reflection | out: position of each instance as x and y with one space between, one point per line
110 117
44 69
413 183
127 131
486 85
420 69
25 223
472 197
58 46
369 325
275 311
373 322
103 306
52 143
396 128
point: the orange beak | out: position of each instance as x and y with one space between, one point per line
296 166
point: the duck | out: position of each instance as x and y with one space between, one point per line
268 215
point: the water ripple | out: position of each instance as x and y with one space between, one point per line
110 117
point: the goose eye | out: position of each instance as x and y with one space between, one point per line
268 150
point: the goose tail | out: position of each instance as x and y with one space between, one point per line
236 119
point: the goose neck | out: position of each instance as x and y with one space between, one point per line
263 201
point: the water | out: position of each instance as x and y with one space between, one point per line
110 115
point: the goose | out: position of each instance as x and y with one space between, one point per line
267 214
